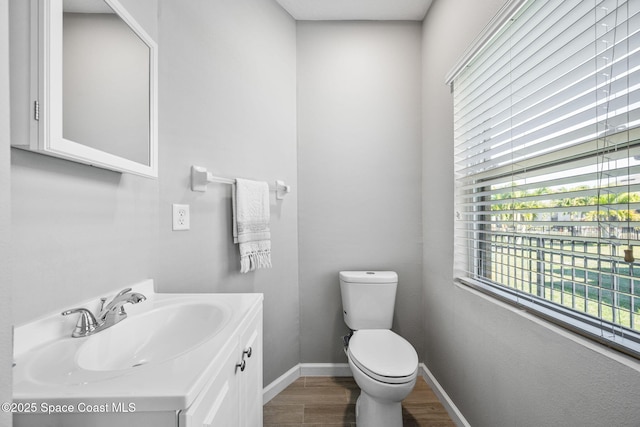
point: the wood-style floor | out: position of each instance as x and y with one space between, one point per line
330 401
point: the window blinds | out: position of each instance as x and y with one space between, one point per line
547 160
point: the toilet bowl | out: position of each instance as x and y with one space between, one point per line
383 364
385 367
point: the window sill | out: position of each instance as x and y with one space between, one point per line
571 326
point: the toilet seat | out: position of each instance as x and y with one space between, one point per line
383 355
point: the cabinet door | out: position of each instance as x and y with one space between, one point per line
250 380
217 404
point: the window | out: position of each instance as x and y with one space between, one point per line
547 152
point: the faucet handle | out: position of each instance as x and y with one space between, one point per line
86 323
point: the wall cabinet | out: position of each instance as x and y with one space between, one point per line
84 84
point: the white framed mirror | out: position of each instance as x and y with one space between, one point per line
96 86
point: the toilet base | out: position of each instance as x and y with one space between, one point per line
371 412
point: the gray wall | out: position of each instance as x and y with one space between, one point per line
228 103
359 171
77 231
5 220
500 367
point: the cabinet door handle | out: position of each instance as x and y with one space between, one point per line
241 365
247 352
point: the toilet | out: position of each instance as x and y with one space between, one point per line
384 365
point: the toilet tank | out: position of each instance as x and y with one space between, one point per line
368 298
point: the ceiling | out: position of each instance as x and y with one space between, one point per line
338 10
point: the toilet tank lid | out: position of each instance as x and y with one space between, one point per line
369 276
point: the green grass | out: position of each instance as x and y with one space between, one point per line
581 284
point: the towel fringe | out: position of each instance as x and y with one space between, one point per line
255 260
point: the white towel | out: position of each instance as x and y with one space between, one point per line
251 215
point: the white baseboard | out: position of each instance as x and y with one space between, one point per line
343 370
280 383
325 370
452 409
304 370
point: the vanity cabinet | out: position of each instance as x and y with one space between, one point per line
250 380
234 396
216 383
217 404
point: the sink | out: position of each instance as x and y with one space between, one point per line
159 358
153 337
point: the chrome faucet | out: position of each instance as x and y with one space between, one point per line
109 315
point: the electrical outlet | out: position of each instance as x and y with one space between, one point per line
181 217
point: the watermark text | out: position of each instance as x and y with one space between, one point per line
80 408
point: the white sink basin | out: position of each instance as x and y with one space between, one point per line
157 335
152 337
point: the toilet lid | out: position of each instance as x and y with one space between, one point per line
384 355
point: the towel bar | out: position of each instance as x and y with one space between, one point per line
200 177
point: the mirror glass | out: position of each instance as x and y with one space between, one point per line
106 82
